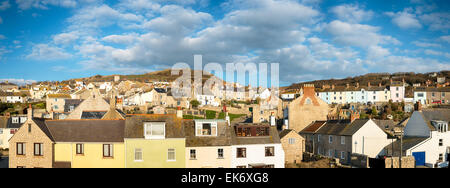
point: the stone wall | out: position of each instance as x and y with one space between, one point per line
407 162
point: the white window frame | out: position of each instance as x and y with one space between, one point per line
342 140
151 136
291 140
142 155
342 155
174 154
15 119
218 153
318 138
199 125
330 139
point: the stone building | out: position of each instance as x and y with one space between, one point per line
306 109
293 146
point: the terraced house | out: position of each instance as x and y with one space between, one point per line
154 141
208 144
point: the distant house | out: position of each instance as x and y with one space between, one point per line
56 102
426 137
9 126
293 146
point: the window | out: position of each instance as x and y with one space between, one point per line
241 153
342 155
171 154
441 157
308 101
138 154
441 142
330 139
291 140
330 153
15 120
270 151
38 149
80 149
220 153
318 138
342 139
432 94
1 131
206 129
420 94
29 128
23 119
20 148
396 95
396 88
107 150
71 108
55 107
193 154
155 130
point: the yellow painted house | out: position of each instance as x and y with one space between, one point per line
154 141
88 143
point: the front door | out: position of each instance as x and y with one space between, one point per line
420 158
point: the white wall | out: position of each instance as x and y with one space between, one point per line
431 147
256 154
370 139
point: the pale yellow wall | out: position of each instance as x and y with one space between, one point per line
207 157
92 157
155 153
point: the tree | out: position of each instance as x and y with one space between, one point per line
374 111
195 103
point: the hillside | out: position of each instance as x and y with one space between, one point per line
377 78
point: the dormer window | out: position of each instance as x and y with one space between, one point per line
155 130
206 129
15 120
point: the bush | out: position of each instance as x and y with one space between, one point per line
210 114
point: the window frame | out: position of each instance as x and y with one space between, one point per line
220 153
141 153
151 124
266 152
243 151
192 154
81 152
39 149
22 146
174 154
110 150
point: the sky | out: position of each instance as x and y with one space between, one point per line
310 39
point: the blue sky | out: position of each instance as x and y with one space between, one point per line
310 39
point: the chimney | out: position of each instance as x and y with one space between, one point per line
332 86
354 115
348 85
357 84
308 90
379 84
30 112
8 115
391 81
179 112
368 84
272 120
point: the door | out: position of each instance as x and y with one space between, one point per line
420 158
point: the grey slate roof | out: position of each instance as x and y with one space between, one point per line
408 143
86 130
284 132
134 126
92 115
223 137
342 127
72 102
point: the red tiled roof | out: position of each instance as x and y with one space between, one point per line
313 127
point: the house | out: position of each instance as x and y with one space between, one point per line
94 107
293 146
16 97
32 145
397 91
426 137
256 146
56 102
342 138
154 141
208 144
305 109
309 134
87 143
9 125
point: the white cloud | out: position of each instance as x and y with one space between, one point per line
122 39
437 21
445 38
357 34
43 4
351 13
377 52
65 38
46 52
405 20
4 5
426 44
432 52
17 81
